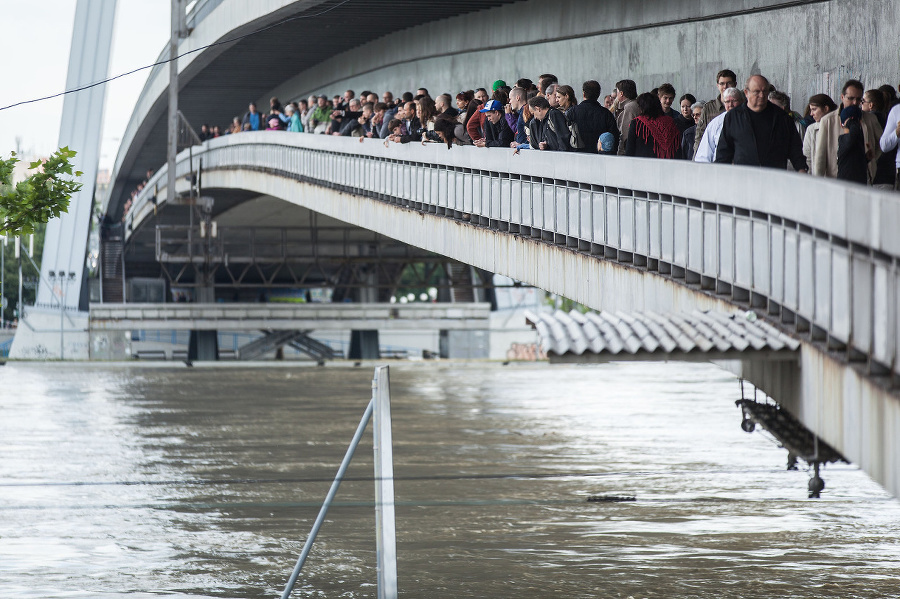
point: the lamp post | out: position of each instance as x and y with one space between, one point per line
63 280
3 282
18 255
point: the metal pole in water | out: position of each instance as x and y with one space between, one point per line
385 523
323 511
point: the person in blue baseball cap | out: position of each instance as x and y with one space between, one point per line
497 133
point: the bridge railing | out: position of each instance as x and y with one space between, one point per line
818 255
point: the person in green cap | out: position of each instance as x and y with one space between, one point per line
498 84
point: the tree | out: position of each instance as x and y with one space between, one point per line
11 275
43 195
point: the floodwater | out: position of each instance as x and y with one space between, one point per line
164 481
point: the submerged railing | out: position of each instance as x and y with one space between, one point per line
818 255
385 534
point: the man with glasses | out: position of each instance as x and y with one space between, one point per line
760 134
724 79
830 128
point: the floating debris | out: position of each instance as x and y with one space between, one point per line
610 498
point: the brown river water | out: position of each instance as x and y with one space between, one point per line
164 481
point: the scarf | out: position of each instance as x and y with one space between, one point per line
664 132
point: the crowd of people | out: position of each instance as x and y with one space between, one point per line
855 141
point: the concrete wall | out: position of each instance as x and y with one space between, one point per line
804 47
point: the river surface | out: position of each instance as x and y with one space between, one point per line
164 481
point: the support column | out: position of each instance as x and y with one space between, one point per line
364 345
203 346
177 16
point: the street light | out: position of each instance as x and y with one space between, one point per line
3 282
63 280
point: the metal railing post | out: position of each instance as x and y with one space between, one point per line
323 511
385 526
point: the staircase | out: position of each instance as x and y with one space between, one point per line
461 282
314 348
111 270
299 340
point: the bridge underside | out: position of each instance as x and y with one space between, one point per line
309 33
245 246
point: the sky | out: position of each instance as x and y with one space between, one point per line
35 39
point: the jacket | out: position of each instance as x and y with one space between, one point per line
687 143
512 119
593 120
349 123
521 135
535 131
257 121
389 115
738 145
320 115
809 147
888 141
499 135
630 109
682 123
475 126
414 130
851 155
556 132
711 110
827 142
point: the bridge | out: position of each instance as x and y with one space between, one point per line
813 258
816 258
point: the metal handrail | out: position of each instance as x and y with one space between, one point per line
384 500
818 253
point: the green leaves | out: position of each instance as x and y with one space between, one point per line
43 195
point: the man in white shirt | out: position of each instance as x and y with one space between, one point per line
706 151
889 138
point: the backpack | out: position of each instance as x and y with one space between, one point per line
574 134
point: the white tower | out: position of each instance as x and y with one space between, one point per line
62 297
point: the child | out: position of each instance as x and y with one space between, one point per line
395 126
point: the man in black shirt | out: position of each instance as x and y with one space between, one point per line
760 134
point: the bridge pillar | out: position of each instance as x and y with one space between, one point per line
364 345
203 346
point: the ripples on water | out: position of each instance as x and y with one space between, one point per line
163 481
